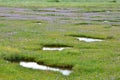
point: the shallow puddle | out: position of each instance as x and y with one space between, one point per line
39 23
53 48
89 39
34 65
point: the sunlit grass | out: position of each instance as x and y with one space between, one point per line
23 40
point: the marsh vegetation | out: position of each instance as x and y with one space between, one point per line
26 27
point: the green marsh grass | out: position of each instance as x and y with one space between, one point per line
22 40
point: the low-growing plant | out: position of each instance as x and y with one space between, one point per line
88 61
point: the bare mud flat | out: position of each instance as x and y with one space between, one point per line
34 65
61 15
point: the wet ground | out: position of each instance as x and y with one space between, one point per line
34 65
63 15
88 39
74 16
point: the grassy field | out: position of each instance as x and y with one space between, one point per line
59 0
28 26
46 3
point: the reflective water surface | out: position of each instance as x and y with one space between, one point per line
34 65
53 48
89 39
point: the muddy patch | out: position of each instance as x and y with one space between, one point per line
34 65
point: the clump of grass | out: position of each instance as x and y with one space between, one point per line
64 18
32 47
95 10
2 25
87 36
42 10
2 16
110 37
9 49
114 1
37 22
94 37
88 60
82 23
13 57
87 69
53 1
56 45
64 66
53 15
116 25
